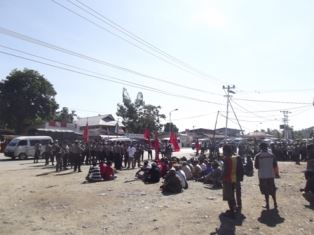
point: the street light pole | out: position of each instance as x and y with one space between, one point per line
170 118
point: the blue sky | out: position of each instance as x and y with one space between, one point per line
264 48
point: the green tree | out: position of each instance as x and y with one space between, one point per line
26 98
64 115
137 116
275 133
168 126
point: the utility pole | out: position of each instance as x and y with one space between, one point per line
228 89
214 135
285 120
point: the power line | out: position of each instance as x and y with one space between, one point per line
277 90
253 113
23 37
195 116
272 101
274 110
122 38
111 79
170 59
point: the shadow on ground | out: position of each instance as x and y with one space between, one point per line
228 225
271 218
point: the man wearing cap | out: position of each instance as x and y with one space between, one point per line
266 164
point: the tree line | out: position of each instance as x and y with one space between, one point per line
27 99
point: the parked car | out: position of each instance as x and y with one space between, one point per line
23 147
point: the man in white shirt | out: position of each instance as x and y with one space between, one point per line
131 152
266 162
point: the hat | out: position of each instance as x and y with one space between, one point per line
172 169
154 164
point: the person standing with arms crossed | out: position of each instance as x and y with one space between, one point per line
266 164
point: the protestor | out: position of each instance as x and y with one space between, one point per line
153 174
107 172
214 177
266 164
143 171
172 183
196 170
309 187
232 176
180 173
164 167
187 171
94 174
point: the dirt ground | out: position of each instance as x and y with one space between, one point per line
35 199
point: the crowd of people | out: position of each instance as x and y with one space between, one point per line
224 170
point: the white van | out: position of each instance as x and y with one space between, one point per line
23 147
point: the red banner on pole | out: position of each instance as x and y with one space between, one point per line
174 142
86 134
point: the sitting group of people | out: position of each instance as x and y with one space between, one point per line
100 172
149 173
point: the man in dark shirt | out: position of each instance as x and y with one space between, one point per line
309 187
153 174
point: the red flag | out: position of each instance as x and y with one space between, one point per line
52 123
174 142
156 146
147 135
86 134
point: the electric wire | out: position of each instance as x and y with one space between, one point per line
271 101
137 38
113 79
195 116
253 113
98 61
122 38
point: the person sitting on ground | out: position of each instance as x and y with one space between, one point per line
102 168
187 171
214 177
197 170
108 172
153 174
208 168
172 183
94 174
180 173
143 171
163 166
309 187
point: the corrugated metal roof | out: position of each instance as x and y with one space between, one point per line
99 120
